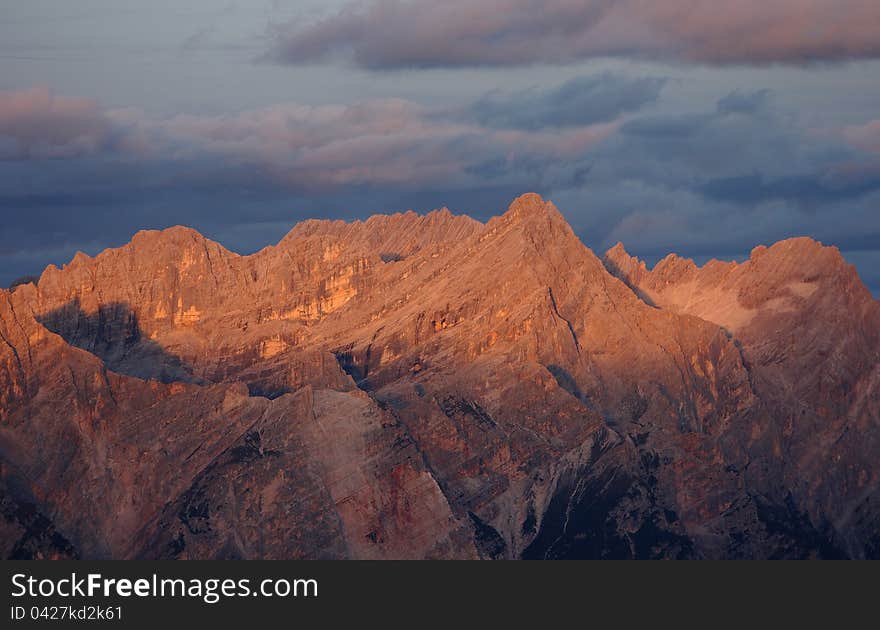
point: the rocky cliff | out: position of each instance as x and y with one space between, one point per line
433 387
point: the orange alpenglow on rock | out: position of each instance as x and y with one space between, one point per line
434 387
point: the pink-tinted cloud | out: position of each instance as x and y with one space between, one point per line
865 137
426 33
383 142
389 142
36 123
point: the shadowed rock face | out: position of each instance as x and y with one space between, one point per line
433 387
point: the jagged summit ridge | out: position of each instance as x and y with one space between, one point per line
409 231
803 249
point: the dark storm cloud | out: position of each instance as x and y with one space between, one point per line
810 190
578 102
740 102
743 134
386 34
746 153
678 127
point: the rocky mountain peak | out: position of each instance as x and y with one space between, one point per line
621 264
802 253
530 207
618 252
537 226
174 235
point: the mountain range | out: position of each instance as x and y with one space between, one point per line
434 387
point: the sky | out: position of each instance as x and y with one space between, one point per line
691 126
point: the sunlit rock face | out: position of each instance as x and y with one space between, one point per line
434 387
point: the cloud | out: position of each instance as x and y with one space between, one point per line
743 102
746 152
865 137
36 123
808 190
386 142
375 143
578 102
389 34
